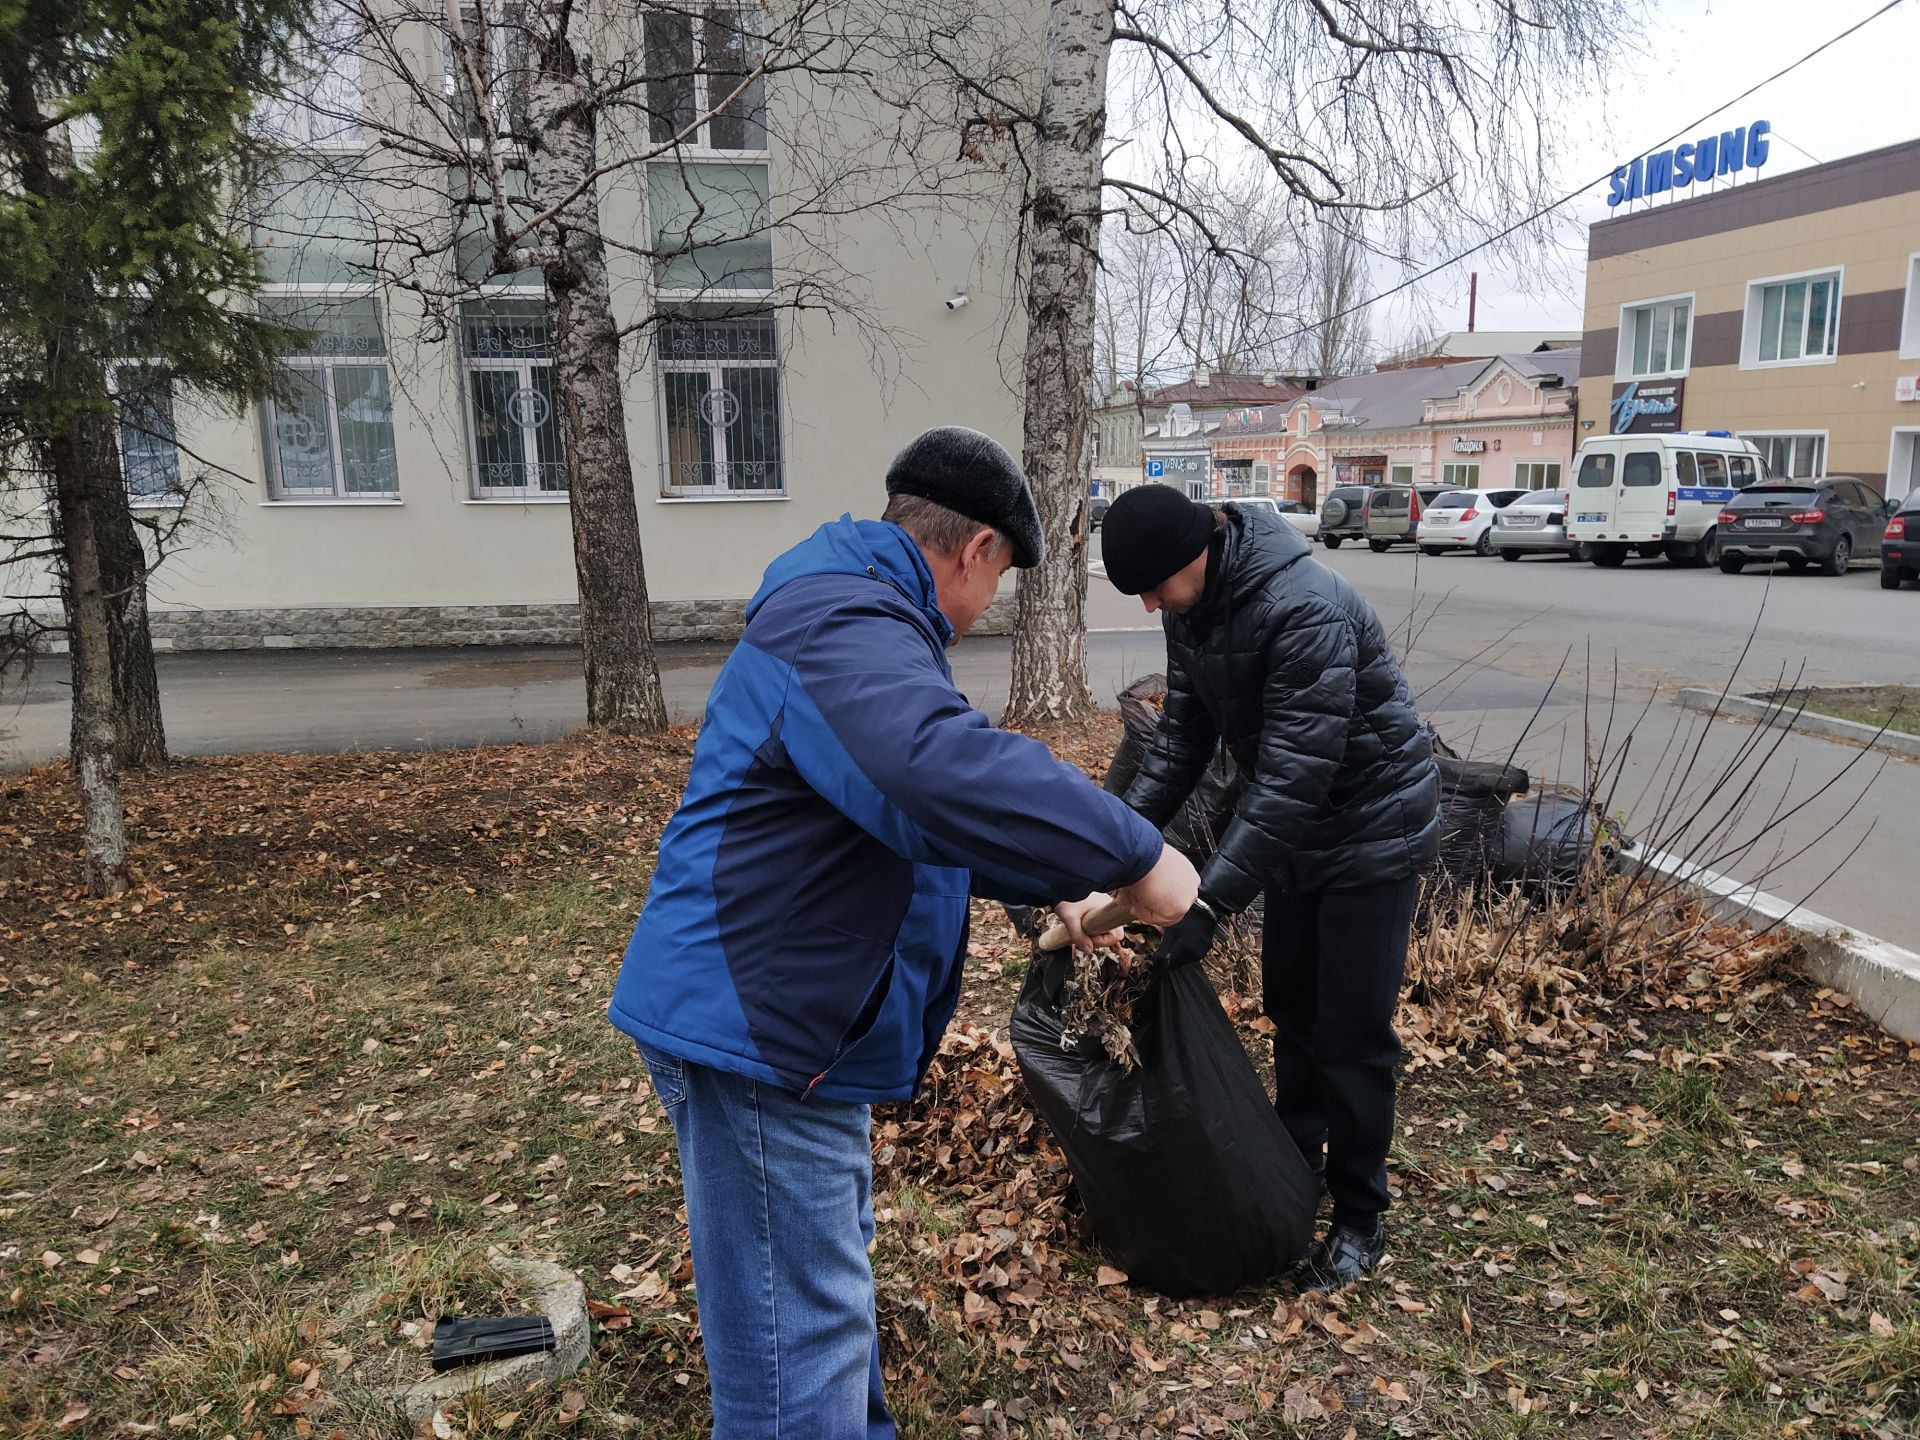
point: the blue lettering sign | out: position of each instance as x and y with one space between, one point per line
1629 405
1726 152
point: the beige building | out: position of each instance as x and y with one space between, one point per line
1786 311
409 489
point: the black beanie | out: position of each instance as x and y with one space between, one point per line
1150 532
972 475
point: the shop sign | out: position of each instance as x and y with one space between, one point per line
1710 156
1643 408
1463 446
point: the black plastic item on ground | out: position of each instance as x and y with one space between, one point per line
1552 839
1193 1185
1473 805
471 1339
1196 830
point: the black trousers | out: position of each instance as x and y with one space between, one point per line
1332 962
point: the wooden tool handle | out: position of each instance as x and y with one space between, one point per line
1110 916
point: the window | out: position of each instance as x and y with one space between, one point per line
698 93
1740 470
1262 479
513 428
1712 469
1910 316
149 454
313 225
1462 475
473 225
1642 468
1655 338
1400 475
711 227
720 396
1792 321
1597 471
1537 475
331 434
320 104
1801 456
495 34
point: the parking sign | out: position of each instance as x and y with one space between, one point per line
1156 469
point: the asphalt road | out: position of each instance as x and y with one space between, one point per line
1546 660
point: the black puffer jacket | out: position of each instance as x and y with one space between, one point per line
1289 667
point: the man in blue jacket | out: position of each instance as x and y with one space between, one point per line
800 952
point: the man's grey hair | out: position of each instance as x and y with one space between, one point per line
937 528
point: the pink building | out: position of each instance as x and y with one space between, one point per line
1476 424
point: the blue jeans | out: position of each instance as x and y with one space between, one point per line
780 1210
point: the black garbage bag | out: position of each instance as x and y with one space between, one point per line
1555 838
1196 829
1473 806
1193 1185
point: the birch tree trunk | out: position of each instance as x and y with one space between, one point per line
616 626
76 458
1049 641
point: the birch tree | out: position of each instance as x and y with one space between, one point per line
1428 116
501 132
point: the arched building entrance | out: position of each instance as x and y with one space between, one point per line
1303 485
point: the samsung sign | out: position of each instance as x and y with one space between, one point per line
1727 153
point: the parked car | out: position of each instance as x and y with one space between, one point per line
1343 515
1658 494
1900 549
1828 522
1097 511
1535 524
1463 519
1303 518
1394 511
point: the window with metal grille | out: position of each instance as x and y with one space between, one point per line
149 452
720 403
513 422
331 434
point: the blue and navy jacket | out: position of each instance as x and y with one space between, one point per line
807 921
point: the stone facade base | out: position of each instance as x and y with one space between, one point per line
326 627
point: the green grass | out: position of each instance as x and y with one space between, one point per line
1896 707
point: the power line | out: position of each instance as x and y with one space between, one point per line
1575 194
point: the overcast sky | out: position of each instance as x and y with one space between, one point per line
1857 96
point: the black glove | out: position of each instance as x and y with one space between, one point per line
1186 942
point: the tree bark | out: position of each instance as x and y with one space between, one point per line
140 734
1049 642
616 626
75 460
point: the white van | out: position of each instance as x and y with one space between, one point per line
1657 494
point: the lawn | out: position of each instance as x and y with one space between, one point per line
274 1112
1893 707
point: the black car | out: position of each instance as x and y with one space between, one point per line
1900 551
1343 515
1097 511
1803 522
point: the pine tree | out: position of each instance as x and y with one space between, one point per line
122 125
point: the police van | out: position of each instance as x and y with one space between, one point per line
1656 495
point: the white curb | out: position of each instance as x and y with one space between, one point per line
1744 707
1883 978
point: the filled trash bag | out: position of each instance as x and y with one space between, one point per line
1193 1185
1553 839
1195 831
1473 809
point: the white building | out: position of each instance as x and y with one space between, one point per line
410 487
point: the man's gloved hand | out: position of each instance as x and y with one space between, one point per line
1186 942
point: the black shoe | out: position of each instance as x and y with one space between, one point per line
1346 1255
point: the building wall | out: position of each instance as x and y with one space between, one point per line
1860 216
435 564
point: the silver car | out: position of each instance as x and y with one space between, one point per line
1535 524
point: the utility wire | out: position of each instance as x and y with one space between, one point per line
1575 194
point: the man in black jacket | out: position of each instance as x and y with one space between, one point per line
1276 657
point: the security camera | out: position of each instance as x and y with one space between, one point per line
956 300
